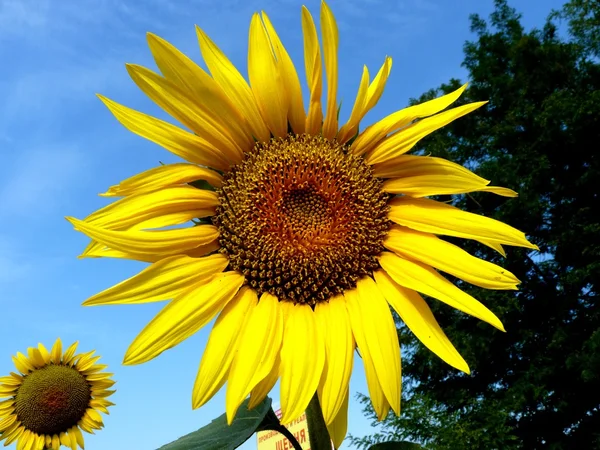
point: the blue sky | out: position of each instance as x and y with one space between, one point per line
60 147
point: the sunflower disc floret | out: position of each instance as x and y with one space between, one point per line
302 219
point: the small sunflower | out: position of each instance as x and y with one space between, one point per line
310 230
54 396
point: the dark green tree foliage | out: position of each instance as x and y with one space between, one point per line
538 385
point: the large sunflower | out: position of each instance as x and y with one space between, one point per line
54 396
310 230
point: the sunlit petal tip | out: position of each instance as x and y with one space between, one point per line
183 317
423 278
258 352
150 36
377 338
222 345
302 359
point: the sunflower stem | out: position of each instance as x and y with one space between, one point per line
288 434
271 422
317 430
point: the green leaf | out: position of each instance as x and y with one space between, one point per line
218 434
202 184
403 445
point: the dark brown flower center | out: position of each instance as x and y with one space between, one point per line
302 218
52 399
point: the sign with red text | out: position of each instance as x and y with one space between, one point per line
273 440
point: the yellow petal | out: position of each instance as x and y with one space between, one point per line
330 49
99 376
265 79
35 357
94 415
134 209
339 425
264 386
86 361
101 402
102 392
78 437
83 358
334 325
94 368
376 87
260 341
40 443
70 353
370 312
13 434
72 440
55 442
410 165
102 384
289 78
24 440
22 364
205 249
314 73
163 176
493 245
7 422
417 316
349 129
504 192
98 406
197 84
420 176
426 280
101 251
429 249
221 346
376 132
402 141
302 359
85 425
186 145
233 84
197 116
182 317
98 250
367 97
378 398
56 352
64 439
44 352
11 381
144 243
163 280
440 218
8 391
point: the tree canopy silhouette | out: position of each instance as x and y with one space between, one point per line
537 386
